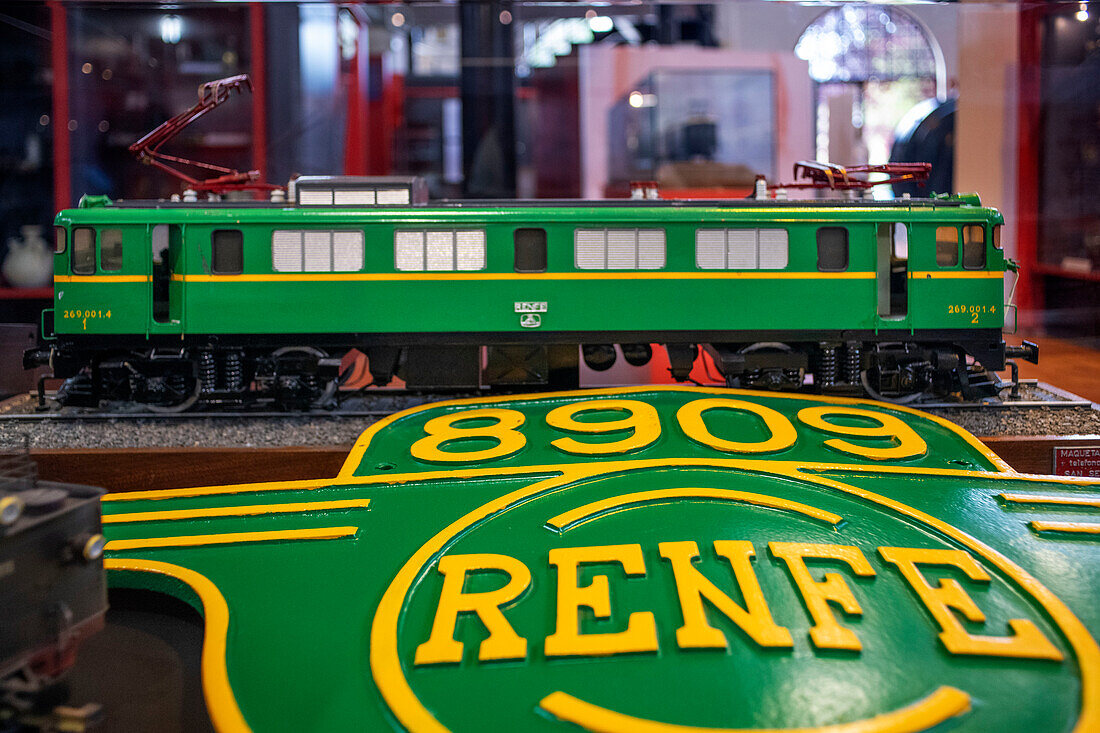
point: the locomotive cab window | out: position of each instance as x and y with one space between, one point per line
530 246
974 247
227 251
110 249
832 249
83 251
947 246
60 240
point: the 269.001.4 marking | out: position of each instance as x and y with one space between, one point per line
84 315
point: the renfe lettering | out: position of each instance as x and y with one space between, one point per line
944 601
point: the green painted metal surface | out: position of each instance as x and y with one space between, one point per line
638 558
378 299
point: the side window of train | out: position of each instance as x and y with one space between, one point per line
832 249
227 251
316 251
83 251
741 249
947 246
530 250
110 249
974 247
158 242
439 251
619 249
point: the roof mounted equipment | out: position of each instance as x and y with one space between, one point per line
211 94
854 177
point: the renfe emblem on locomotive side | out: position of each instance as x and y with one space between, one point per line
639 559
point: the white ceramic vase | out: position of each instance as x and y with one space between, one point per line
29 263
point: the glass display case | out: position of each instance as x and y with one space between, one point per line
1068 158
685 129
999 97
477 102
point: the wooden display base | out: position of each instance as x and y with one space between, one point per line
136 469
1035 453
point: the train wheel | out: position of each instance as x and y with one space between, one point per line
775 377
897 397
297 385
178 394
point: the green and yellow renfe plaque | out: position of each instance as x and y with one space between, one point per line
655 559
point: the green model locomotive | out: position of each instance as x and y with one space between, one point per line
170 303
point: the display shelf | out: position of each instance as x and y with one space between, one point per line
1056 271
7 293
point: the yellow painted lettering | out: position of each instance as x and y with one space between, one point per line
503 641
1026 640
826 633
641 628
755 619
781 431
442 429
642 420
905 443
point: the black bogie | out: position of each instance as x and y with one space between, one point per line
230 372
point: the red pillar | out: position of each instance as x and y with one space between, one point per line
384 112
259 88
355 135
62 150
1029 292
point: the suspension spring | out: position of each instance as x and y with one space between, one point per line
208 371
233 370
827 368
853 362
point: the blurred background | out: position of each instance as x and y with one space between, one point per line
536 100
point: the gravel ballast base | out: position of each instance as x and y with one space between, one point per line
331 430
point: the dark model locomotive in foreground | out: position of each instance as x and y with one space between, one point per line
173 303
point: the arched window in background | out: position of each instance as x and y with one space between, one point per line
871 64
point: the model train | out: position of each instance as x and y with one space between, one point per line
173 303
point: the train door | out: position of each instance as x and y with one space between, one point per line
892 276
166 278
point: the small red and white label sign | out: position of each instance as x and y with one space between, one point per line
1081 461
